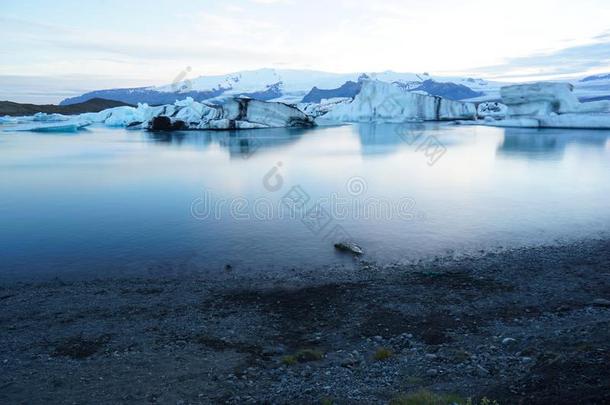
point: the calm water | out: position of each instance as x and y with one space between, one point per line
105 201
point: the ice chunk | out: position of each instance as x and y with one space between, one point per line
550 105
380 101
324 106
43 117
239 113
64 126
7 119
546 98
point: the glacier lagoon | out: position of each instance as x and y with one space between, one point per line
108 202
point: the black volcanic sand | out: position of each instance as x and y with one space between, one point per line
528 326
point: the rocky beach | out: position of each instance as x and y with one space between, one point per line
520 326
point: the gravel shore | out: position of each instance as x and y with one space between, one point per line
529 325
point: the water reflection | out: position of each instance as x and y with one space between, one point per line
115 200
242 143
378 139
548 143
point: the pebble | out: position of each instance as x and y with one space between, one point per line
507 341
349 362
432 372
601 302
483 369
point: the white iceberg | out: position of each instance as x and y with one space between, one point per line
63 126
44 117
385 102
323 107
546 98
7 119
550 105
241 113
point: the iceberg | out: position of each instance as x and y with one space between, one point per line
237 113
324 106
63 126
8 120
386 102
550 105
43 117
546 98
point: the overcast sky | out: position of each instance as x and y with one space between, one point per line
106 43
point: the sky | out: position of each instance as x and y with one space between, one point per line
54 49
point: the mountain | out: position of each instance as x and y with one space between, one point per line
310 86
596 77
348 89
92 105
291 86
451 91
593 88
142 95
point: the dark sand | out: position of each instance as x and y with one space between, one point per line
524 326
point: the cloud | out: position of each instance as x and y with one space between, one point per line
563 62
603 36
270 1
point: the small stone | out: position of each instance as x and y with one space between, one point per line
378 338
349 247
350 362
508 341
601 302
432 372
431 356
483 370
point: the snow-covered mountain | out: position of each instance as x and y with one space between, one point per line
593 88
291 86
295 86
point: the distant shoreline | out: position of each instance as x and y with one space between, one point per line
94 105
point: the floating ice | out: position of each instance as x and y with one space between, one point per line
64 126
7 119
380 101
324 106
43 117
241 113
550 105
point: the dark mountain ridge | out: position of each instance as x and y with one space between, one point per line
93 105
